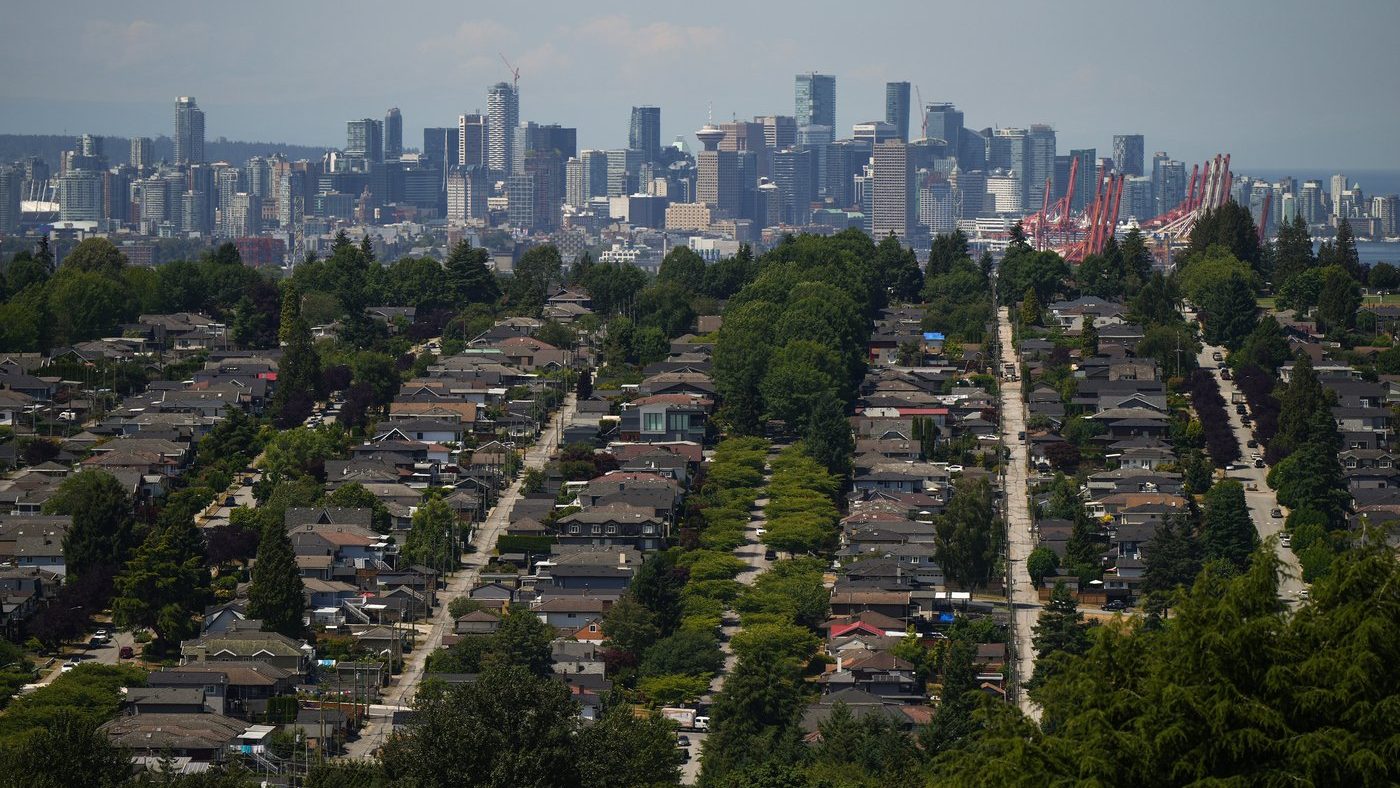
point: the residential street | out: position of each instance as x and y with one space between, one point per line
1020 539
1261 498
400 693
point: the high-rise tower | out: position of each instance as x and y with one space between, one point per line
189 131
393 135
816 100
503 112
1127 153
644 134
897 108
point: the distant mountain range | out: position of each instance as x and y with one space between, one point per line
50 147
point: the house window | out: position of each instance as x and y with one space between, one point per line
597 529
1384 463
612 529
678 421
653 422
1351 462
573 529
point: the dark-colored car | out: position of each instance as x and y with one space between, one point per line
1115 604
1259 463
770 555
1251 443
1240 409
126 652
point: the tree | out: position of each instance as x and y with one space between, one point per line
86 304
967 542
430 539
509 746
1042 563
1343 252
798 374
275 596
947 249
1030 309
1228 533
68 750
630 627
898 269
298 377
356 496
689 652
103 531
469 280
1265 347
1305 413
1339 299
522 640
584 387
741 362
1060 629
684 268
828 438
658 584
1044 272
1173 556
756 718
1382 276
1156 303
529 284
164 585
1293 250
95 255
1198 700
1229 311
624 749
953 722
1231 226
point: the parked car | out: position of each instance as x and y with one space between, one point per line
1115 604
770 555
67 666
126 652
101 634
1216 356
1258 463
1224 373
683 741
955 469
1251 443
1021 436
1285 540
1276 513
1240 409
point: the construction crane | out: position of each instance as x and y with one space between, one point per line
1263 226
923 113
514 73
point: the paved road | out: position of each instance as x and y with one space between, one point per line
1020 539
400 693
1261 500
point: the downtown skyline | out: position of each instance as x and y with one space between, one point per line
586 69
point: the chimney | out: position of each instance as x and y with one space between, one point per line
622 559
840 661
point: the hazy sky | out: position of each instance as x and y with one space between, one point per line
1277 83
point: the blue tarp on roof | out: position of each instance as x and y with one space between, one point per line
933 336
